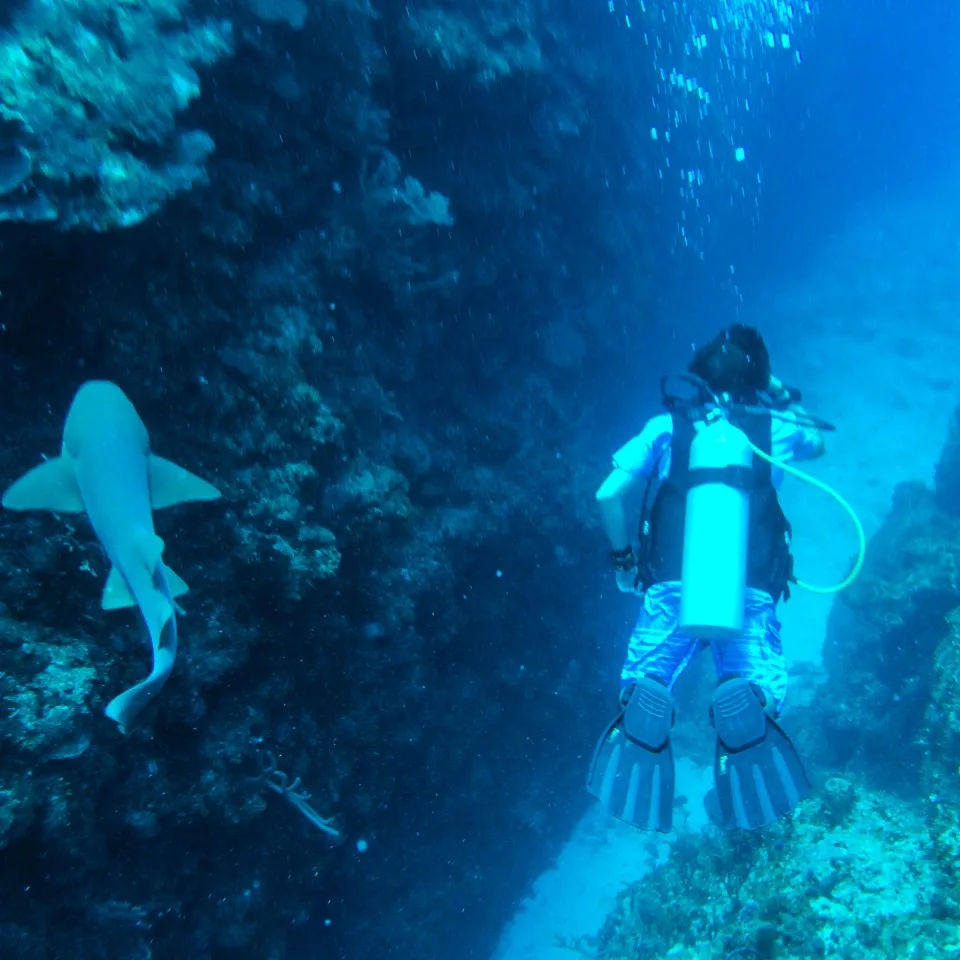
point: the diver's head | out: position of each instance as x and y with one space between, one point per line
735 362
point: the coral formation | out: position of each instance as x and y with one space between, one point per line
853 874
92 95
346 259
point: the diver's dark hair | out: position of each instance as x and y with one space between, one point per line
735 361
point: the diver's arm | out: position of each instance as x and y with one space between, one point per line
633 462
813 444
610 498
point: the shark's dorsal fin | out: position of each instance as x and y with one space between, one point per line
50 486
116 594
171 484
176 584
150 547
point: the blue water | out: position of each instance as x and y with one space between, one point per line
866 120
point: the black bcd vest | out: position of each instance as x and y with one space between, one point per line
660 558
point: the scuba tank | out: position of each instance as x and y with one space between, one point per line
717 505
716 532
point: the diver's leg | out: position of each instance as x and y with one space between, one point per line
656 649
759 776
632 771
757 655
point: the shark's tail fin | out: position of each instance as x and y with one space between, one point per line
156 586
157 616
125 707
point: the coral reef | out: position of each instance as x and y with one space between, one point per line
91 97
852 874
359 316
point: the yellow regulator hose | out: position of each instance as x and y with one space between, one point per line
858 526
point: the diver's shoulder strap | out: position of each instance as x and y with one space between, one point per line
757 424
684 430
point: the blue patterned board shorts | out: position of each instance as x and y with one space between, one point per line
657 649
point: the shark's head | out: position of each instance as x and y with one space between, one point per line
99 406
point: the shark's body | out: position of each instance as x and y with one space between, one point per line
106 470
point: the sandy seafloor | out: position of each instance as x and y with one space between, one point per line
870 328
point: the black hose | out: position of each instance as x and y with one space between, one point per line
704 396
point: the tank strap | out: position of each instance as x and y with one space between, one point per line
743 478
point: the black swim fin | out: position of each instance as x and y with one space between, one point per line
759 775
632 772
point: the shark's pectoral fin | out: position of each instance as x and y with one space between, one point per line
171 484
176 584
50 486
116 594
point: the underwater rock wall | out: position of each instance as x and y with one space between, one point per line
890 648
359 317
887 713
947 475
882 639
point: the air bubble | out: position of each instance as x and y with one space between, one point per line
712 83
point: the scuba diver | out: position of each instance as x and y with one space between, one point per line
712 563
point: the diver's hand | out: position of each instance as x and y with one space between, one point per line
625 565
781 394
